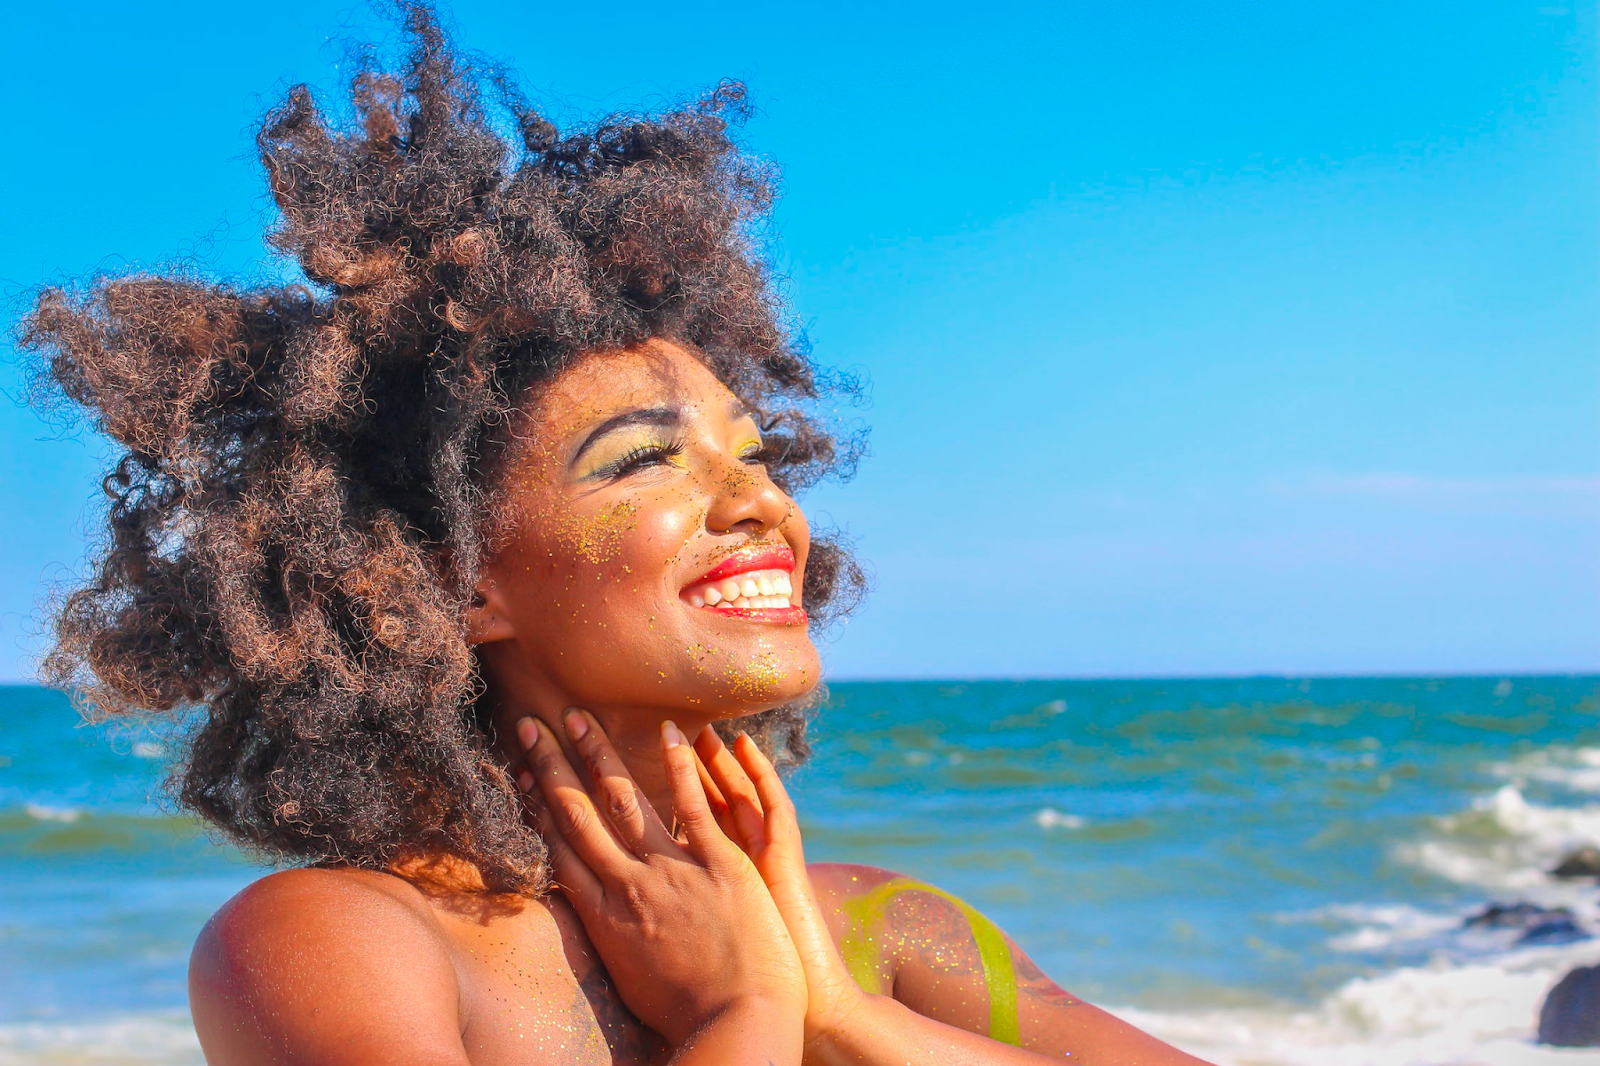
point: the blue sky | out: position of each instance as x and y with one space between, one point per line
1203 339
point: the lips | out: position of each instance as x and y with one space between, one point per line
753 557
753 583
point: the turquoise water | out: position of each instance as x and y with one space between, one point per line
1263 870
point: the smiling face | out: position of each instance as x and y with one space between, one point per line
647 560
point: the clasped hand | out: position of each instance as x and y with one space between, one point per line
688 926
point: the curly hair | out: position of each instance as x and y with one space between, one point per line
298 510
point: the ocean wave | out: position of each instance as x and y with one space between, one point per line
1505 843
45 812
1381 926
1440 1014
157 1039
1050 818
36 828
1574 769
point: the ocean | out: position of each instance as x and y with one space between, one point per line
1263 871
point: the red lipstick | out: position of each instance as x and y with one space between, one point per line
754 557
751 557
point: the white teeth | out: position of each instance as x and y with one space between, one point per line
760 589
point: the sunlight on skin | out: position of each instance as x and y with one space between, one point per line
860 949
631 475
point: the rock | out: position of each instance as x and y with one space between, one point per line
1553 931
1515 916
1584 862
1539 925
1570 1016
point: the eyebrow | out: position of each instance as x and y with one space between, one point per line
646 416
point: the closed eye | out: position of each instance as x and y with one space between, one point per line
641 457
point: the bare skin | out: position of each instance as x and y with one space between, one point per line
686 925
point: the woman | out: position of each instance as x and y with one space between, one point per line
524 444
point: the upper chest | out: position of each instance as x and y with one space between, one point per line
534 992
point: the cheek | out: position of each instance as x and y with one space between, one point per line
628 546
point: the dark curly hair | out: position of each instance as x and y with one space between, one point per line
297 513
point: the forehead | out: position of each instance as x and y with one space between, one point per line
657 373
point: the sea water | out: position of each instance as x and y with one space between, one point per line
1264 871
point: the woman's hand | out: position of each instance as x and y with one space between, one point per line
687 930
752 806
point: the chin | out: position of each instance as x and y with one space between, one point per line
728 683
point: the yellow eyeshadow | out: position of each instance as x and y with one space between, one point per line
615 446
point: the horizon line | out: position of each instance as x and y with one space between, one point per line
1492 675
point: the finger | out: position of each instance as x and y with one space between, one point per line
571 812
566 869
782 824
735 784
616 795
718 805
706 840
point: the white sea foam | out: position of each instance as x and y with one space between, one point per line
1575 769
1505 843
44 812
1050 818
148 749
1442 1014
157 1039
1379 927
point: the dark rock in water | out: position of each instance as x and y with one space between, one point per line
1570 1016
1584 862
1516 916
1553 931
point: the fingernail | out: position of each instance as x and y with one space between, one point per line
670 734
527 732
525 780
576 726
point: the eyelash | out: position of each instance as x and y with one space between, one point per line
649 454
642 456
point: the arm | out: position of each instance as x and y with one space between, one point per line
748 1031
318 966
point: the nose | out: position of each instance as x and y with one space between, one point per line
744 499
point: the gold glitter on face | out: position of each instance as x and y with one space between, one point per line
633 474
595 538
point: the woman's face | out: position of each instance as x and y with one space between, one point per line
638 511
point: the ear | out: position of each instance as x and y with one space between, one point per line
487 619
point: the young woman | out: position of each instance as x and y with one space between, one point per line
478 557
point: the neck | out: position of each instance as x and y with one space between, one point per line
634 731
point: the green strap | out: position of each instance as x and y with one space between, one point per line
867 912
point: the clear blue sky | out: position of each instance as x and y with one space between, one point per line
1203 338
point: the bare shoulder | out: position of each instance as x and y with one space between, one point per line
327 966
940 956
844 880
